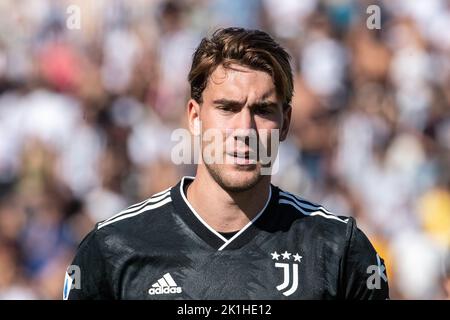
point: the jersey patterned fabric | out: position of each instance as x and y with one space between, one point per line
162 249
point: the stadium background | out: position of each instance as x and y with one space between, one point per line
86 117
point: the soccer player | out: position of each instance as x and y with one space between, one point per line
229 233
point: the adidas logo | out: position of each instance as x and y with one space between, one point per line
165 285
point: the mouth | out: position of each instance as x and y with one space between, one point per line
243 158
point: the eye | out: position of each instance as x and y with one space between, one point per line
263 111
225 109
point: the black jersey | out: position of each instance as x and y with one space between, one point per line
162 249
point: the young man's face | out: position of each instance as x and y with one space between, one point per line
239 112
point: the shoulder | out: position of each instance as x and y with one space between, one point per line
135 215
319 223
126 229
315 212
320 218
315 219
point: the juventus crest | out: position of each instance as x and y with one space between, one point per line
290 271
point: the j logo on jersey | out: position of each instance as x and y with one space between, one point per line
289 263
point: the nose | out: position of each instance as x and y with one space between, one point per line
244 127
245 120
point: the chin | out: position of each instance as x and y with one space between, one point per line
233 178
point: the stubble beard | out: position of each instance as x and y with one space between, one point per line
222 179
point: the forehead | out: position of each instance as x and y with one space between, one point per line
240 83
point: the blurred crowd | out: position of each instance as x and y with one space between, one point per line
86 116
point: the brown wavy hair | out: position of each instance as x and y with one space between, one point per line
251 48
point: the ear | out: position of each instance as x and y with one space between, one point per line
193 109
287 112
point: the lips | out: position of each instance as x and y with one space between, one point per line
246 157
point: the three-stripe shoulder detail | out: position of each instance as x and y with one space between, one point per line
155 201
307 208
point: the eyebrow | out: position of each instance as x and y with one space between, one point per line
262 103
228 103
236 104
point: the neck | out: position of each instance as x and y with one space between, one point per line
226 211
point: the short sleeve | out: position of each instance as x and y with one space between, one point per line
364 272
86 278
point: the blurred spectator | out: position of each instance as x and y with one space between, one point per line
12 284
446 277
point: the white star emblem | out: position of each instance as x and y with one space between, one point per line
286 255
275 255
297 257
